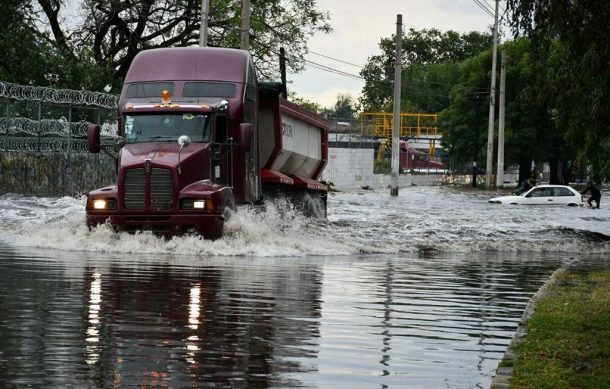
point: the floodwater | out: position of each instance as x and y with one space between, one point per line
423 290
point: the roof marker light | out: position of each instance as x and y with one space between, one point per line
165 97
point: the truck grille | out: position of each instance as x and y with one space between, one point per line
160 189
135 189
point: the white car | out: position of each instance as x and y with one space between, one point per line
544 195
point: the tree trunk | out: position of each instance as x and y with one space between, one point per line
525 169
554 172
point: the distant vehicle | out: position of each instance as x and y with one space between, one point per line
544 195
411 158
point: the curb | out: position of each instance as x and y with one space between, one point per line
505 373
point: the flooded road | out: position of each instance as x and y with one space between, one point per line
420 291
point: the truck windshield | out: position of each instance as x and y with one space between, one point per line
167 127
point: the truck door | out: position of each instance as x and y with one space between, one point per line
221 153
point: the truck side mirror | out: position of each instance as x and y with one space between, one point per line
245 136
184 140
93 138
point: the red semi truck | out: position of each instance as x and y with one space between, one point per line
198 137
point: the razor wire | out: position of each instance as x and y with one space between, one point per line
22 133
48 144
59 127
58 96
52 144
45 127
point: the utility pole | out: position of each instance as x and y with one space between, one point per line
500 173
203 28
492 105
245 25
396 116
283 72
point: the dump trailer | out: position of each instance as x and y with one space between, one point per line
198 136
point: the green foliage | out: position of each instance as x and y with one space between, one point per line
345 108
109 40
426 88
429 64
29 57
573 35
38 47
22 59
383 167
463 123
531 131
307 104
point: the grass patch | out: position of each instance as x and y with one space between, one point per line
382 167
567 344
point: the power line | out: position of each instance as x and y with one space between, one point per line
335 59
487 5
489 9
474 90
502 10
332 70
441 94
441 83
484 7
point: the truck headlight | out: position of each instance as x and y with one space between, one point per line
102 204
192 204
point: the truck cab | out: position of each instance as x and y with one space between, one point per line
189 152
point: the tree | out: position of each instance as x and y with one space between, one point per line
531 132
22 59
345 107
462 122
307 104
29 57
426 88
426 58
574 34
113 32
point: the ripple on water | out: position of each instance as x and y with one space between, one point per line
419 219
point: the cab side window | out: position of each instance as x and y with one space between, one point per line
250 104
222 129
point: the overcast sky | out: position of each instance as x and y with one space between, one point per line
358 25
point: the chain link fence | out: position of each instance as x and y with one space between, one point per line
43 140
34 118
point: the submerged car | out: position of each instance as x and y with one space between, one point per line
544 195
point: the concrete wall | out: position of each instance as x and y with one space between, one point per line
54 173
61 174
352 169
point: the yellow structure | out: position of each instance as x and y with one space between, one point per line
412 125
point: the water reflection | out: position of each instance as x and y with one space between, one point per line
93 330
194 311
157 324
360 322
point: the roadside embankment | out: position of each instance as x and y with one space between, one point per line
564 337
